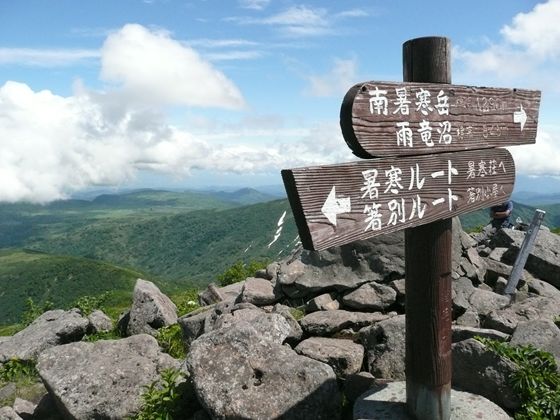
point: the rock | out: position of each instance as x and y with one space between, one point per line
8 391
329 322
478 263
324 302
344 356
356 384
399 286
497 254
103 379
461 291
544 259
545 289
213 294
237 374
272 327
388 402
8 413
483 301
150 310
530 309
25 409
461 333
52 328
469 269
467 241
259 292
469 319
370 297
295 329
542 333
192 326
385 348
99 322
479 370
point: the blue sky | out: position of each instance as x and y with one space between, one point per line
193 93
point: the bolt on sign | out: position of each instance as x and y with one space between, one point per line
433 167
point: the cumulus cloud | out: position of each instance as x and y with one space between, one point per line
337 81
151 67
541 158
54 145
528 50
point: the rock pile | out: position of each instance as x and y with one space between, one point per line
291 340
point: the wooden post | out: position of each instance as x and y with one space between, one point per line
428 270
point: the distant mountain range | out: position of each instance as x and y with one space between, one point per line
70 248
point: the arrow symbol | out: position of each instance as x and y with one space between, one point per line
520 117
334 206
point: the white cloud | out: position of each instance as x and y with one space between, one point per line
254 4
537 31
233 55
154 68
54 145
46 57
293 22
221 43
528 51
337 81
352 13
541 158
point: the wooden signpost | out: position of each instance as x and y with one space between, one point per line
439 159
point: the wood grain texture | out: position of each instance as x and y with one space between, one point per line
428 269
477 118
308 189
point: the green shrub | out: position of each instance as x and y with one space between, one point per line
88 304
16 370
102 335
186 301
170 339
536 382
556 230
34 311
475 229
240 271
162 399
297 313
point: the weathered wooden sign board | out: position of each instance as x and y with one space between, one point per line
337 204
390 119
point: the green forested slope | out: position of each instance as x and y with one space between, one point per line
190 247
58 279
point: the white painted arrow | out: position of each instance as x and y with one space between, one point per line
520 117
334 206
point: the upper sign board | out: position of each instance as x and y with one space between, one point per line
395 119
338 204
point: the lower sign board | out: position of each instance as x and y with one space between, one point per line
338 204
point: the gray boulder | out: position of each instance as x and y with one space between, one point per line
99 322
479 370
192 325
259 292
356 384
270 326
370 297
8 413
542 333
150 310
295 329
213 294
344 356
544 259
238 374
324 302
52 328
324 323
460 333
385 348
25 409
104 379
483 301
531 309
